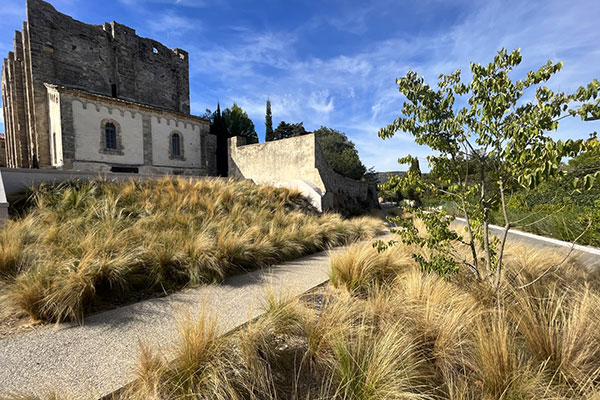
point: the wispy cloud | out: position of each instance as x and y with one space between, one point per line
321 102
173 24
183 3
336 63
363 80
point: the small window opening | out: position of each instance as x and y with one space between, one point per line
113 89
110 133
54 152
175 145
154 50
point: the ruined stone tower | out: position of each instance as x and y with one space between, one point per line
56 54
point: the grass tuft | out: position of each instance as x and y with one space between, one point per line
80 246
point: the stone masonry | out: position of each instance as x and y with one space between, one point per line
2 150
108 59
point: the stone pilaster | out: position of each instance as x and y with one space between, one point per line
68 133
147 133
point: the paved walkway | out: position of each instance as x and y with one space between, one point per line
93 360
588 256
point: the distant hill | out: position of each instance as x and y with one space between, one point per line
382 177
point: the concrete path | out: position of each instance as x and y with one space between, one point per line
588 256
90 361
93 360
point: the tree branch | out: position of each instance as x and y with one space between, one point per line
504 234
547 271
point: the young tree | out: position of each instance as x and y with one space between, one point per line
268 123
239 124
498 130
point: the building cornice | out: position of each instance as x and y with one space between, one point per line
122 102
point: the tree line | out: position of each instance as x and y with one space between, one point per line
338 150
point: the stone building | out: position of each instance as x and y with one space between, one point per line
99 98
2 150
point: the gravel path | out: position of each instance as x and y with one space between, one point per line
93 360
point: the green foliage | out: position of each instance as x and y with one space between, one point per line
436 240
268 123
218 127
239 124
285 130
340 153
487 126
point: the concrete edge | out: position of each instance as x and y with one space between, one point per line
329 251
123 389
3 202
586 249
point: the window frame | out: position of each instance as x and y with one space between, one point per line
172 155
104 149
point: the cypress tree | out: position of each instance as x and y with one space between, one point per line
220 130
268 123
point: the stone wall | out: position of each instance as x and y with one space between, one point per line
143 135
2 151
108 59
297 162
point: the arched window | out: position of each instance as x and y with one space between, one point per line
175 144
110 138
110 133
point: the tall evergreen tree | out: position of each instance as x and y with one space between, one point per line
219 129
239 124
269 123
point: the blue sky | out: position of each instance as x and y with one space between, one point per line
335 62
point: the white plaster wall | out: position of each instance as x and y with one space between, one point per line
88 134
277 161
54 100
161 134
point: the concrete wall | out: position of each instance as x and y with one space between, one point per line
297 162
3 202
273 162
54 114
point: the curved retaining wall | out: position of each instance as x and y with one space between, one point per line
283 162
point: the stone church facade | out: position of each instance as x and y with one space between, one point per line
99 98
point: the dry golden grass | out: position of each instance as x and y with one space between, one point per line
388 331
84 245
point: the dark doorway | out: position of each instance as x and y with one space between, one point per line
127 170
113 89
